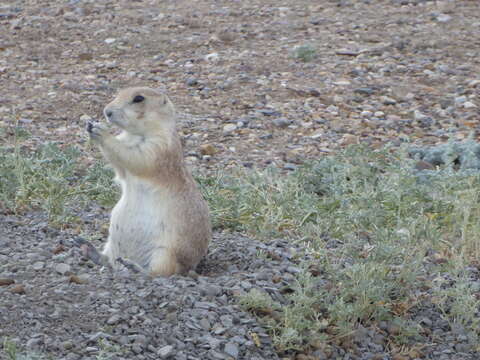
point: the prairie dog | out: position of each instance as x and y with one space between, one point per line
161 222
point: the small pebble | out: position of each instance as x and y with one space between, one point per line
443 18
228 128
231 349
469 105
281 122
62 268
165 351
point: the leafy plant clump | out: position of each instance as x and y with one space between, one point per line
305 53
378 232
464 155
12 352
52 180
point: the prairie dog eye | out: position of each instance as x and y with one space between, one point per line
138 99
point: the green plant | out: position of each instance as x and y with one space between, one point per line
383 218
305 53
107 350
257 301
12 352
51 179
10 349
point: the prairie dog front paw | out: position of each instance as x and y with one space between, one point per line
96 131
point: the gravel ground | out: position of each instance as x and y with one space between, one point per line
382 72
63 306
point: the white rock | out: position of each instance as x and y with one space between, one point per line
38 265
229 128
212 57
366 113
338 99
85 118
469 105
111 64
388 101
332 109
474 83
379 114
444 18
419 116
110 40
342 83
62 268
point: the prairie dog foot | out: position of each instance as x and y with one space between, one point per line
130 265
90 252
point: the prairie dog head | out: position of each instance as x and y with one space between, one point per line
141 111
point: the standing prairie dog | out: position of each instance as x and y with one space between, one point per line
161 222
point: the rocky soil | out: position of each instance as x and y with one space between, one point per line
383 71
60 305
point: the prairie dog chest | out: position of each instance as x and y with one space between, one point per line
142 208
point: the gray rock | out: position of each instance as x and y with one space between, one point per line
269 112
63 269
34 343
289 166
211 290
191 81
205 324
38 265
281 122
460 100
165 352
72 356
231 349
364 91
462 347
114 319
137 349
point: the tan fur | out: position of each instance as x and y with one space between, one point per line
161 221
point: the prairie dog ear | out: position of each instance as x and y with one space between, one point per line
161 88
163 99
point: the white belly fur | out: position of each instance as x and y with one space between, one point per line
138 222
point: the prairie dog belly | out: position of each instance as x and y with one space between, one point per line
138 223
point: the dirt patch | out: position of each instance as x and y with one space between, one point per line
376 72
